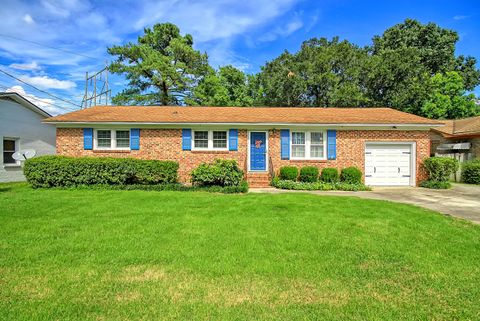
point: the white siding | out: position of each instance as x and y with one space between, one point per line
25 125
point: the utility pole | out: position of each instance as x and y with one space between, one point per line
91 92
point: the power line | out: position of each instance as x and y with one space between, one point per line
40 100
43 91
46 46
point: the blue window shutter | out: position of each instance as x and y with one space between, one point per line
88 138
331 144
233 139
135 139
285 144
186 139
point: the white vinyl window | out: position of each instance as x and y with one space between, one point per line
111 139
308 145
210 140
9 147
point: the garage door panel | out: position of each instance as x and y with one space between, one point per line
388 164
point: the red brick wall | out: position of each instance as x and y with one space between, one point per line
351 148
166 144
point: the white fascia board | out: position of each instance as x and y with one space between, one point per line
244 125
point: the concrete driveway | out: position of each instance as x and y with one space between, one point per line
461 201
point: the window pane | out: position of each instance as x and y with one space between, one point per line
8 145
104 138
316 151
298 151
8 159
123 138
201 139
298 138
219 139
316 138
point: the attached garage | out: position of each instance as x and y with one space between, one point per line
390 164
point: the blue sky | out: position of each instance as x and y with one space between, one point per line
242 33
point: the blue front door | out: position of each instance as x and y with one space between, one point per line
258 151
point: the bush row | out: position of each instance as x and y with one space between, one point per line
310 174
241 188
318 186
52 171
61 171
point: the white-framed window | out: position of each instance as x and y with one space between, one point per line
112 139
210 140
308 145
10 146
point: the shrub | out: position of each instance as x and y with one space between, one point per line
329 175
52 171
351 175
440 168
308 174
471 172
435 184
221 172
318 186
289 173
242 188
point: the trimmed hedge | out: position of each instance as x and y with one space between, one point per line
288 173
308 174
242 188
471 172
221 172
58 171
351 175
330 175
440 168
318 186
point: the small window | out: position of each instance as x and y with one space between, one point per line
308 145
123 138
316 145
201 139
107 139
9 147
219 139
104 138
298 144
210 140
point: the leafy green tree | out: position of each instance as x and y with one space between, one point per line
333 72
281 83
447 98
228 86
161 68
404 58
322 73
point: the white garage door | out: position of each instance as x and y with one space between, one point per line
388 164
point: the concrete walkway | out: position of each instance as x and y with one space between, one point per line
461 201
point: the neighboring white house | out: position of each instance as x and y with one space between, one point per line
21 127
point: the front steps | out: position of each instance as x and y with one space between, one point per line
258 179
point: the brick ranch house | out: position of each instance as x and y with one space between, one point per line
389 146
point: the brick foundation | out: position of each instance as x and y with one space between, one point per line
166 144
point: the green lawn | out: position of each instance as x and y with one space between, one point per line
137 255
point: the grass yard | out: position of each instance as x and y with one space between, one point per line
137 255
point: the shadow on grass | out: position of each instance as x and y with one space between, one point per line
5 189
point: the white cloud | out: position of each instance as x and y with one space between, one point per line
46 104
460 17
284 31
217 19
45 82
28 19
26 66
